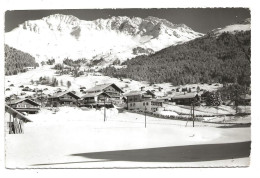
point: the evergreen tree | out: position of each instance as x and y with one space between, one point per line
208 59
68 84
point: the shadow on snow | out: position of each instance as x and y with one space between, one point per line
188 153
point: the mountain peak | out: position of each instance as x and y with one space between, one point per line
117 37
55 22
62 18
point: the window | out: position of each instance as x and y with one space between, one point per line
143 104
147 103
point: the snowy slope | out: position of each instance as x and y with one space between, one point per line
241 26
59 36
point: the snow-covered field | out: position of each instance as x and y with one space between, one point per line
73 138
86 81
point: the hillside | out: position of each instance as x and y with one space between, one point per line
117 38
244 25
222 58
16 60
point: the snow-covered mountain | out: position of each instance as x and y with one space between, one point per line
59 36
240 26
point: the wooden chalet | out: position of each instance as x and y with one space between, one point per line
96 100
66 98
185 99
111 89
24 105
14 121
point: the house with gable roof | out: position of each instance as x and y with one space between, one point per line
66 98
24 105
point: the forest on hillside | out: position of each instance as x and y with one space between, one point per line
224 59
16 60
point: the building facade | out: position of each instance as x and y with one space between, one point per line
63 99
143 101
25 105
185 99
96 100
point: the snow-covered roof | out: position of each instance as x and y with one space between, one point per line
185 96
157 100
103 86
164 97
145 93
132 93
23 99
59 94
88 95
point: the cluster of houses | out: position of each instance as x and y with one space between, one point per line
108 95
104 95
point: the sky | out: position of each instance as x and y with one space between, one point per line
199 19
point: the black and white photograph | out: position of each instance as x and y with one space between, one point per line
127 88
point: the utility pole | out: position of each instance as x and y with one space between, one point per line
104 109
41 98
192 113
236 101
145 116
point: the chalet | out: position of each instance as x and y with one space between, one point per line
14 121
13 97
111 89
185 99
138 96
63 98
82 88
27 89
96 100
24 105
143 101
165 98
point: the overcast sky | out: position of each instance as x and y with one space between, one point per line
199 19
